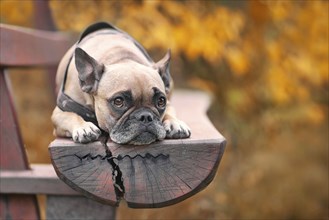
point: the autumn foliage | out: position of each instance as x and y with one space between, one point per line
266 63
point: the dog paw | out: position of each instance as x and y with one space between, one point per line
176 129
86 133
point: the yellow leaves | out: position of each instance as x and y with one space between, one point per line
279 85
296 53
17 12
183 27
274 51
276 87
284 86
196 29
75 16
237 60
305 68
280 10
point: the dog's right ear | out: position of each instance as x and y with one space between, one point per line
90 71
163 68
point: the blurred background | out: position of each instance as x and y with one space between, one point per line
266 65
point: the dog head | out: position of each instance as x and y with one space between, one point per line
129 99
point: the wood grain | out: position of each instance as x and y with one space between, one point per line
77 207
12 157
40 179
151 176
27 47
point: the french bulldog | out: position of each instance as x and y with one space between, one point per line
110 75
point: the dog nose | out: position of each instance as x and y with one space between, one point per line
145 117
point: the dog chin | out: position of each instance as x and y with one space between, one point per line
143 138
140 138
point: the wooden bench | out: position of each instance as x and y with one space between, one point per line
157 175
20 182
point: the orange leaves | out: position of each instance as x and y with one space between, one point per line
297 60
76 15
196 29
237 60
280 10
284 87
17 12
191 28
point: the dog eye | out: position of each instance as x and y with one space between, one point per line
161 102
118 102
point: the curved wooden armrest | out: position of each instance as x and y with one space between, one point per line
152 176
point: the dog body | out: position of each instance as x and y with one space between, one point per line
111 74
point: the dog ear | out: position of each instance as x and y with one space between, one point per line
90 71
163 67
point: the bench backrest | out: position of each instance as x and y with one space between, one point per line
20 183
21 47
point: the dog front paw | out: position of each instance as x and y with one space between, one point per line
86 133
176 129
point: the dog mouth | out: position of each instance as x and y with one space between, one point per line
140 135
145 137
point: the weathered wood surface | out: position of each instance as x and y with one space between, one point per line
27 47
19 48
77 207
12 157
156 175
40 179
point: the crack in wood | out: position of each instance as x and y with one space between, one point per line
146 156
119 188
120 157
89 156
117 176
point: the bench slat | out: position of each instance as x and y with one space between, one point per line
13 157
40 179
27 47
21 47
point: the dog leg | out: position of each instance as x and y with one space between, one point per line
174 127
69 124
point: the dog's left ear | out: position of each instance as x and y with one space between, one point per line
163 67
90 71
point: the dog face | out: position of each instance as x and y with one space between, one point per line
129 100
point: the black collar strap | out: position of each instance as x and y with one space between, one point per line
65 102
